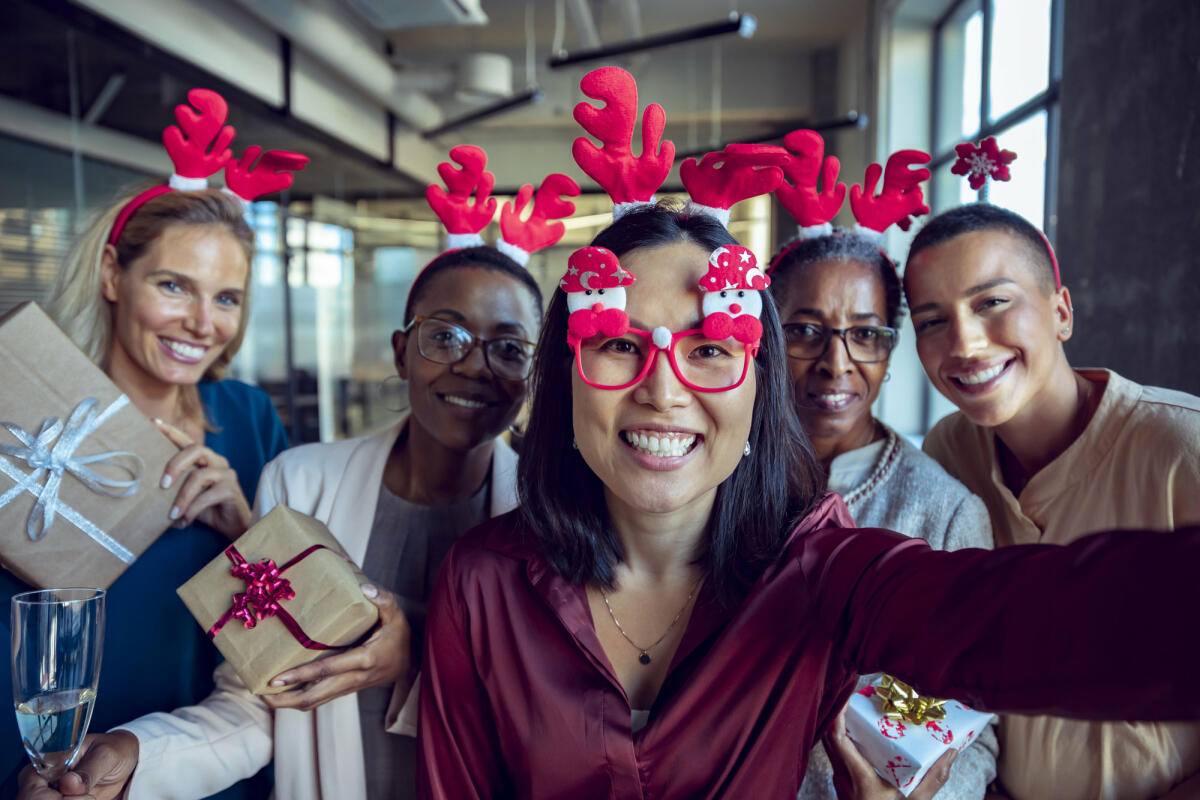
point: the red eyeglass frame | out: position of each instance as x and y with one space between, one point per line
652 361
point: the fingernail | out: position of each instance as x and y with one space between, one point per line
158 420
167 481
279 682
174 513
369 590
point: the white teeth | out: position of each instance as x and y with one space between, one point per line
463 401
982 376
837 397
662 444
185 350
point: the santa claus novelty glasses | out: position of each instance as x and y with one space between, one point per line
610 354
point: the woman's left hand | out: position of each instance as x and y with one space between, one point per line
855 779
210 491
384 659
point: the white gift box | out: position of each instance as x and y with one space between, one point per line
901 751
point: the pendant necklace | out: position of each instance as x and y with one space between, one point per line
644 658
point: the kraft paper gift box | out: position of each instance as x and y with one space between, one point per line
284 584
80 465
903 746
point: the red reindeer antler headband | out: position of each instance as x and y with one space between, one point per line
199 147
466 206
897 202
630 181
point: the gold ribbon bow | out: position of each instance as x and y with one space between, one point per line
902 702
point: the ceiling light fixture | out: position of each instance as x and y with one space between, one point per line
530 96
853 119
743 25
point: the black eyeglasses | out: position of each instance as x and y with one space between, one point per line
446 343
866 344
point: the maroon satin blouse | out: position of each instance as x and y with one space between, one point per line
518 699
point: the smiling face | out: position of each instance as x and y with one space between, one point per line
659 446
176 307
464 405
988 333
834 393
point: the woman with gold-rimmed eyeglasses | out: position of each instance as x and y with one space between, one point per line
839 301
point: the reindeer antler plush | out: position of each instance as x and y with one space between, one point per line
630 181
813 210
519 238
898 201
199 147
724 178
463 216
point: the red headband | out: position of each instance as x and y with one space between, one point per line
199 148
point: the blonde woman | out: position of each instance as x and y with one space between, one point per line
158 299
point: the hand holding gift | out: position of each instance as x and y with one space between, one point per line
384 659
903 735
280 596
855 779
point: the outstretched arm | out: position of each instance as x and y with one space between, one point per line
1097 629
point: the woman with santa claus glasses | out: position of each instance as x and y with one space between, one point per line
677 609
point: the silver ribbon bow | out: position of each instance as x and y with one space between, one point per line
51 453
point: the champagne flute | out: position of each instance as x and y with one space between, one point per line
57 641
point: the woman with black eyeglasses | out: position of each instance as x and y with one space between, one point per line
839 301
397 500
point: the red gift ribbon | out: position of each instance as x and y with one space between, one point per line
266 588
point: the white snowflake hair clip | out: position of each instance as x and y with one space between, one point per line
732 302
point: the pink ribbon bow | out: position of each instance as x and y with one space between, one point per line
266 589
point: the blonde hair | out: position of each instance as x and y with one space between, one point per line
76 301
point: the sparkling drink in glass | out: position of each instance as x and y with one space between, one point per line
57 642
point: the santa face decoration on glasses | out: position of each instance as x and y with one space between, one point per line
611 354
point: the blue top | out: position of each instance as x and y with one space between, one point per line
156 657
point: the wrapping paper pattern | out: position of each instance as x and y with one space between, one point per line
901 751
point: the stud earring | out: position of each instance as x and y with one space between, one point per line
887 376
574 444
746 450
1066 330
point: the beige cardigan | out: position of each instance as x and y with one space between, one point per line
196 751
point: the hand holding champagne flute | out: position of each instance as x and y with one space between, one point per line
57 641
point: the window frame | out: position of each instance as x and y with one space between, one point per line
1047 100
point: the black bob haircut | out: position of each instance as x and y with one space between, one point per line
987 217
488 258
562 500
839 246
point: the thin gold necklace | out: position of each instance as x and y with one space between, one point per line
644 658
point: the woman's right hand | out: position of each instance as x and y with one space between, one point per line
855 779
101 771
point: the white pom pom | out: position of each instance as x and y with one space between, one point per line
182 184
621 209
815 231
512 251
872 236
457 241
721 215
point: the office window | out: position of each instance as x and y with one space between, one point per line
996 73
